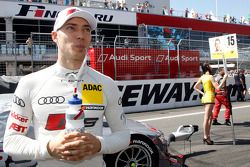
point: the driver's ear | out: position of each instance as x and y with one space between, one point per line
54 36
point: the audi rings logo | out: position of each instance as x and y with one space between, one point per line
18 101
51 100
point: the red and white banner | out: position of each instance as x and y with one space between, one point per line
137 63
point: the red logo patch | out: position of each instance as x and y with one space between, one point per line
17 127
71 11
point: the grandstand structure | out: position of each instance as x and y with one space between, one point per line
126 45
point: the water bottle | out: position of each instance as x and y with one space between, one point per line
74 115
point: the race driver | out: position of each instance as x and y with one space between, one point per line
40 100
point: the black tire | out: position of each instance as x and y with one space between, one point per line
140 151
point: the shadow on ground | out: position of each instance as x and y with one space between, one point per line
237 142
194 154
244 124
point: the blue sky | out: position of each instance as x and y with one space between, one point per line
235 8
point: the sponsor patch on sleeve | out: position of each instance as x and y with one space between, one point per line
92 94
17 127
18 122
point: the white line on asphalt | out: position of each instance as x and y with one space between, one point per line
184 115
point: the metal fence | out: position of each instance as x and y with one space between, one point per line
244 56
7 42
129 58
43 51
138 57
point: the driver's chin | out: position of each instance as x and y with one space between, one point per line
77 51
79 56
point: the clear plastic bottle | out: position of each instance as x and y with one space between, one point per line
74 115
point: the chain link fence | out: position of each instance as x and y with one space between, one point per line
244 56
141 57
8 53
128 58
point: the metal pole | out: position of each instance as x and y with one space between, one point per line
102 54
31 54
237 64
229 101
168 44
14 44
178 57
115 72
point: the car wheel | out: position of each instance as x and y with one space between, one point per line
140 152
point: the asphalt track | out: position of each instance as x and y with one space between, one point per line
224 153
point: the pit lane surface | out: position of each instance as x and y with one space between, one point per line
223 153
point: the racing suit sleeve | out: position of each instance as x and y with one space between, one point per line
16 142
120 136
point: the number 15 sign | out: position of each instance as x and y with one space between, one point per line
223 47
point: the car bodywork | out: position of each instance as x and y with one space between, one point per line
148 145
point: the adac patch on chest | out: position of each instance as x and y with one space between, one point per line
92 93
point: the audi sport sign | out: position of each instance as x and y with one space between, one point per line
140 63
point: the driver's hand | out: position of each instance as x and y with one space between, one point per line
74 146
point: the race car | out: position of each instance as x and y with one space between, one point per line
148 145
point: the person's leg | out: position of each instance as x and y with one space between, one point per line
210 118
227 112
245 91
245 94
207 124
238 93
217 108
207 120
241 93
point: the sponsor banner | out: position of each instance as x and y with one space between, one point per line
139 63
189 64
142 95
223 47
146 95
42 11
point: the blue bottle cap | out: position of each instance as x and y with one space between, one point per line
75 100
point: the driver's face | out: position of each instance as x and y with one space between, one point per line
73 38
